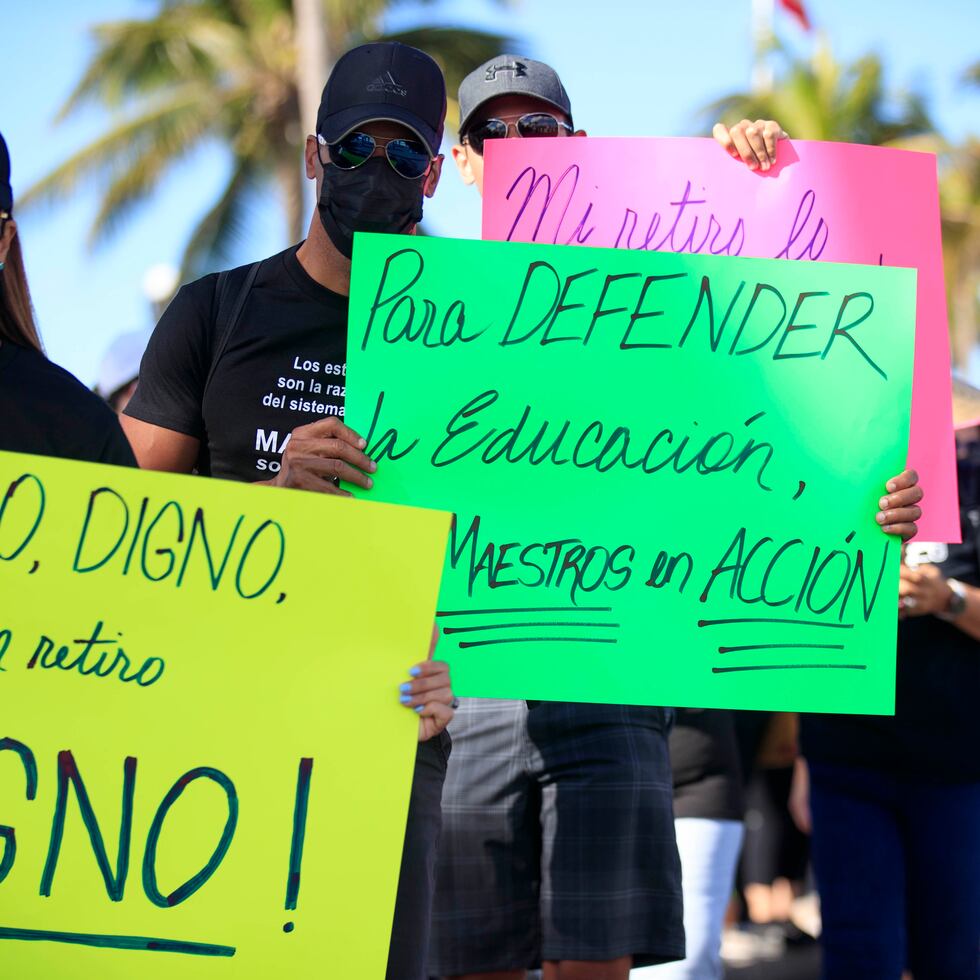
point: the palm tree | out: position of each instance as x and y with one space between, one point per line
232 71
959 195
825 100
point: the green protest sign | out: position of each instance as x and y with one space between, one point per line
204 768
664 468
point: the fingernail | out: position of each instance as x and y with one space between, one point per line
407 686
883 503
765 164
415 671
370 483
890 486
361 443
405 698
373 468
753 165
418 708
880 518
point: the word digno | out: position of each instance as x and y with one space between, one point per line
158 540
70 783
628 309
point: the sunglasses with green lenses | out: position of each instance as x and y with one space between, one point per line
408 158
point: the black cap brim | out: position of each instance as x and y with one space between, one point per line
339 124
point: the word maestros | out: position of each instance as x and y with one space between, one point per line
157 540
632 310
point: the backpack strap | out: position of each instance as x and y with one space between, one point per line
230 293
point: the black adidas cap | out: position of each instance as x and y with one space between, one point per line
508 74
388 81
6 193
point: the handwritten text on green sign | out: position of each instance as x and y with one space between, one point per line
664 468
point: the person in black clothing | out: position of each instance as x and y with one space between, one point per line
43 409
244 377
893 802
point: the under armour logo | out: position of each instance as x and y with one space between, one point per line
387 84
517 67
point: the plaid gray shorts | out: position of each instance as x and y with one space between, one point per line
558 839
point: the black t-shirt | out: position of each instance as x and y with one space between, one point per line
49 412
704 759
285 365
935 732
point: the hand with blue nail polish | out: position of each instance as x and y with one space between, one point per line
429 694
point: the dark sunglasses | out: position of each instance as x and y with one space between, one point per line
530 125
408 158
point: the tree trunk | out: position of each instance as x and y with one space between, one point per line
964 318
291 186
311 58
312 68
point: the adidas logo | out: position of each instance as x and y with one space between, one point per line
517 67
387 84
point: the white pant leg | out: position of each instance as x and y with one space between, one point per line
709 852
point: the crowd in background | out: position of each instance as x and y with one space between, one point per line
588 841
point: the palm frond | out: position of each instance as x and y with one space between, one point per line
136 57
824 100
172 126
220 229
226 70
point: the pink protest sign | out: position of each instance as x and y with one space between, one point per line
828 201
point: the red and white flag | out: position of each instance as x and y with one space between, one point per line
796 8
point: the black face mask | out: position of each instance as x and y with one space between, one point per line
371 197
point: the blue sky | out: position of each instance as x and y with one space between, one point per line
632 68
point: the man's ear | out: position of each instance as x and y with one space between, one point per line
311 158
580 132
462 160
432 180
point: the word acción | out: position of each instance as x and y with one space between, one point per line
636 311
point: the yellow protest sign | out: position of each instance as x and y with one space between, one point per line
204 767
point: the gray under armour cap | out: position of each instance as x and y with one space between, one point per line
510 74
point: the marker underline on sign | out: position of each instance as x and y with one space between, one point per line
506 626
788 622
730 670
532 609
782 646
536 639
133 943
